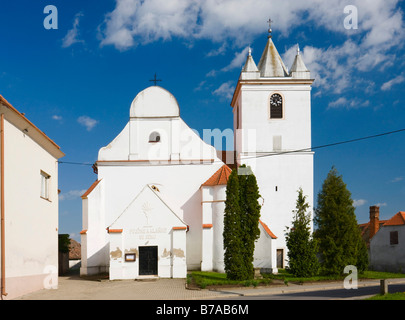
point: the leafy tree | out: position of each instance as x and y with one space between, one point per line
339 237
232 235
302 248
250 215
241 224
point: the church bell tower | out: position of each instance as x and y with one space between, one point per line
272 128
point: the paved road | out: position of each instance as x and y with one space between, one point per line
331 294
76 288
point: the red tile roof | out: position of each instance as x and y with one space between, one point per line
397 220
266 228
219 178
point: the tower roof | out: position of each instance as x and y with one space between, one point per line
271 64
250 65
298 68
218 178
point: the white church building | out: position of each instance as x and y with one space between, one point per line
157 206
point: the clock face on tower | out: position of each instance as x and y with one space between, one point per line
276 106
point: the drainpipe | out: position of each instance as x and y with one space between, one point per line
3 246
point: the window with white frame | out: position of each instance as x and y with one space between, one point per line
45 180
154 137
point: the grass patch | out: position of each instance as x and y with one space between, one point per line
381 275
202 279
288 277
389 296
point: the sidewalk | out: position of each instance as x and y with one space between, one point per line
76 288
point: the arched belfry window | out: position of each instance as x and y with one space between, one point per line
276 106
154 137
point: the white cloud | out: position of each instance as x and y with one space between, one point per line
237 61
381 204
354 103
72 35
56 117
359 202
134 21
70 195
380 21
216 52
236 23
88 122
397 179
225 90
397 80
200 86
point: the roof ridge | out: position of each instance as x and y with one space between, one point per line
397 220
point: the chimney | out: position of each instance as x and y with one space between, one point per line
374 220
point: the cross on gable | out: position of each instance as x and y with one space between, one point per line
155 80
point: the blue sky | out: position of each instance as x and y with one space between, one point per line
76 82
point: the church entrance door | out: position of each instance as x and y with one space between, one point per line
148 261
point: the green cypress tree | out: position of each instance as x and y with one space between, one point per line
232 234
302 248
250 215
241 224
339 237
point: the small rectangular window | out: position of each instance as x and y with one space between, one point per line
394 237
277 143
45 179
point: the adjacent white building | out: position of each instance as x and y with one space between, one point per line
29 205
157 206
387 246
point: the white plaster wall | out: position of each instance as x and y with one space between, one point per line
178 142
31 222
294 128
213 211
95 257
151 227
264 252
383 255
180 183
127 164
288 173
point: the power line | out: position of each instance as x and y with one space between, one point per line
286 152
328 145
76 163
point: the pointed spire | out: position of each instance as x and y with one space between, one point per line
271 64
249 70
298 68
250 65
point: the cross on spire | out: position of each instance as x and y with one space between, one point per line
155 80
270 31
